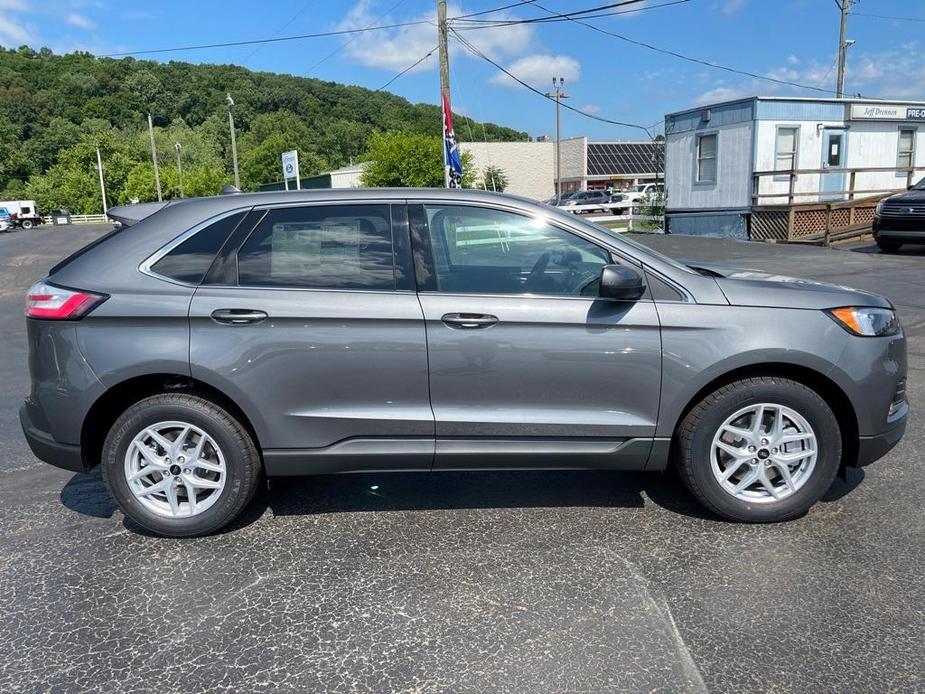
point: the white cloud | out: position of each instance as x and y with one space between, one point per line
793 60
732 6
719 94
538 69
397 49
80 21
590 109
13 32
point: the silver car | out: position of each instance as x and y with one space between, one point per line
213 341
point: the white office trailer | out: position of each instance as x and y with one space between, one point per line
723 161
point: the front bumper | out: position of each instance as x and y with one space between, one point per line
872 448
62 455
899 230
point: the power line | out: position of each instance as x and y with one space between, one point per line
886 16
280 30
567 15
475 51
354 38
689 58
407 69
549 20
497 9
252 42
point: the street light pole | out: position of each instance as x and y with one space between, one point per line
234 145
176 146
157 175
558 83
99 168
843 44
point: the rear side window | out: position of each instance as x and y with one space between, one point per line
190 261
320 247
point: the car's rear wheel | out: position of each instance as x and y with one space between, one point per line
180 465
759 449
888 246
27 224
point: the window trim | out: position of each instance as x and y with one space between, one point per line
912 152
270 207
145 266
697 180
796 148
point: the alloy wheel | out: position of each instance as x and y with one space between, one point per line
763 453
175 469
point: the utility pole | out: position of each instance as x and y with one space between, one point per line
177 147
442 34
558 84
234 145
99 168
157 175
843 44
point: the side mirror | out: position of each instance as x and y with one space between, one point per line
621 283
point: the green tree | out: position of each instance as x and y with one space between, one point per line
401 160
269 136
197 182
652 204
494 178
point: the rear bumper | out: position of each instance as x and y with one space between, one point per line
45 448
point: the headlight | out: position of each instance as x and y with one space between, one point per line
879 208
865 321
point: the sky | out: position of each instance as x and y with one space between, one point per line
788 40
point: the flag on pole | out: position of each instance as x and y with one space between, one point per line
452 161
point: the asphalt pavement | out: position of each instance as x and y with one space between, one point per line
468 582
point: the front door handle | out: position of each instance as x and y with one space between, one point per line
469 321
238 316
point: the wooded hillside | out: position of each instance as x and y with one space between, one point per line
56 109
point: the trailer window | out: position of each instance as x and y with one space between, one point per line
706 158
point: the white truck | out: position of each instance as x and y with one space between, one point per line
635 195
22 213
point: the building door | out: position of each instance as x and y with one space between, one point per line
833 157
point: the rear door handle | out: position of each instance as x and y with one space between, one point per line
469 321
238 316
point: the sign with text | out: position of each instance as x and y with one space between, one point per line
291 168
887 112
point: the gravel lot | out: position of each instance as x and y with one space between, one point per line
578 582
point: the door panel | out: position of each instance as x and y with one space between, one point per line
833 157
549 367
322 367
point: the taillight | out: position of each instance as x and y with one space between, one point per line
55 303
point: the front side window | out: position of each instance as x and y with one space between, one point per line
786 149
320 247
706 158
906 156
486 251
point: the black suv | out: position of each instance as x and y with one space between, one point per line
900 219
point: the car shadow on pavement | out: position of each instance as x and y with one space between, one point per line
906 250
86 494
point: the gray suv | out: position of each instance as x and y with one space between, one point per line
221 339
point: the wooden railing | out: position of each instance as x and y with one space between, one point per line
759 198
817 222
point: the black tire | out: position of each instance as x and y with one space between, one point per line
242 462
888 246
27 224
694 439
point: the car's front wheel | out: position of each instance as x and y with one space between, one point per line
759 449
180 465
